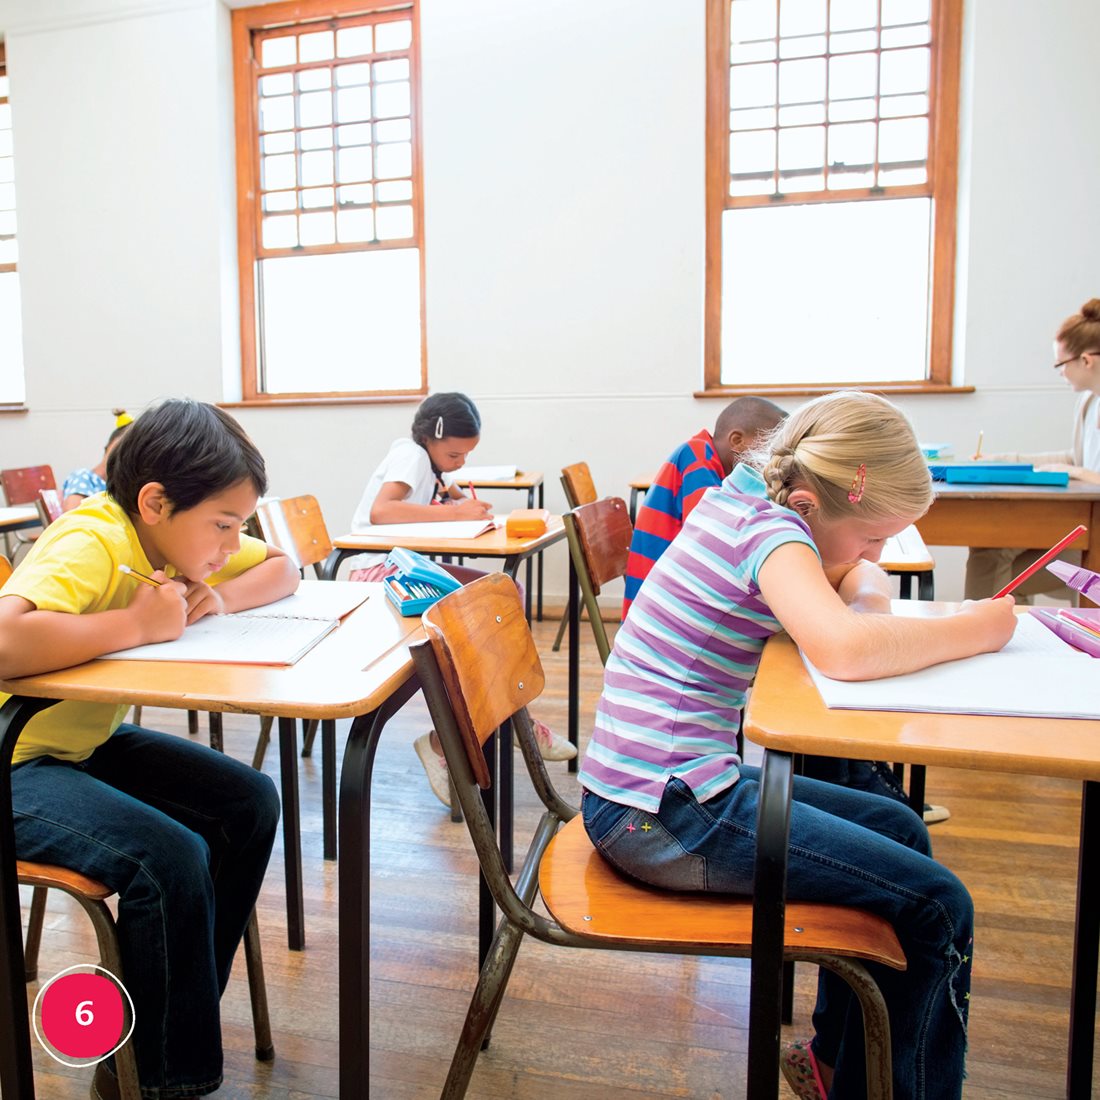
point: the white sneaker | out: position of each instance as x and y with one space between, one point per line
552 746
435 768
933 814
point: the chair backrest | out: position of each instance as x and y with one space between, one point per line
599 541
5 569
295 526
21 484
576 483
486 657
49 505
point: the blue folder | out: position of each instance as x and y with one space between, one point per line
996 473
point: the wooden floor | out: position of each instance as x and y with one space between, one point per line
598 1024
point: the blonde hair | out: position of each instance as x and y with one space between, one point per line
822 445
1081 332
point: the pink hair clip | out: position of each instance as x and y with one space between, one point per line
859 483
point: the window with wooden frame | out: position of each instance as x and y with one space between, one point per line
12 382
832 151
330 215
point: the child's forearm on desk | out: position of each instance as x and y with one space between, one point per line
271 580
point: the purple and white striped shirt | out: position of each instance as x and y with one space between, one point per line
686 655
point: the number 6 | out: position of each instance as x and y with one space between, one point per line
84 1014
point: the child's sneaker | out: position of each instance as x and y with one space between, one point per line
800 1068
552 746
934 814
435 768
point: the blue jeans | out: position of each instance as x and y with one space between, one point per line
846 846
183 834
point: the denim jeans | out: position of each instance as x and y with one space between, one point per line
846 847
183 834
872 776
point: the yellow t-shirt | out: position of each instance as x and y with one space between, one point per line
73 567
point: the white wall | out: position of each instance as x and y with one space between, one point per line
564 163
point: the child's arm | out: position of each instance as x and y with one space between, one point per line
863 587
33 641
390 506
268 581
1078 473
847 645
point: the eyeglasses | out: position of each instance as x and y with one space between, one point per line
1074 358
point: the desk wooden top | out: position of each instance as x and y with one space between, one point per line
493 544
641 483
524 479
906 553
19 515
349 672
785 712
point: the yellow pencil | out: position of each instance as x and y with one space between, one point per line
137 576
978 452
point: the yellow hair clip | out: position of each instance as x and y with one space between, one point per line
122 418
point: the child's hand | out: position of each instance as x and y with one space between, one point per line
202 600
468 508
995 619
162 611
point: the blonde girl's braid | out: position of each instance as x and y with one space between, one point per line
779 473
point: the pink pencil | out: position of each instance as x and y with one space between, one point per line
1053 552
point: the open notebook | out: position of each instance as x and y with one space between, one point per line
276 634
1035 675
444 529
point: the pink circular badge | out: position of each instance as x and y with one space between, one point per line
82 1015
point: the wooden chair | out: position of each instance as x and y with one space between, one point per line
92 897
577 484
295 526
905 556
49 505
21 486
479 669
599 541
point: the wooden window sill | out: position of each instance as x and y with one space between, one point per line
806 390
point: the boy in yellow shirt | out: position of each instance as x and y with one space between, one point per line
182 833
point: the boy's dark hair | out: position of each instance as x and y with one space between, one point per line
193 449
445 414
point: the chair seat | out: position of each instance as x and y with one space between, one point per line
907 553
588 897
60 878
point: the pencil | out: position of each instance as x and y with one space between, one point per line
978 452
1052 553
122 568
472 491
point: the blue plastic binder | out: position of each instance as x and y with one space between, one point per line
418 582
996 473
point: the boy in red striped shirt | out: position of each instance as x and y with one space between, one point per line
703 461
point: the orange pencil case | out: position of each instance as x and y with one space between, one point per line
526 523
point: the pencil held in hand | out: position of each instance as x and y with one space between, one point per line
1034 568
122 568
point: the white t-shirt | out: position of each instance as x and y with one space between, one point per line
1090 436
406 462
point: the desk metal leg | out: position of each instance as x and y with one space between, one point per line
354 903
292 833
16 1064
574 661
633 505
542 504
768 909
486 910
507 786
1086 939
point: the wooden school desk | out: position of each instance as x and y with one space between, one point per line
529 481
493 544
785 714
1033 517
362 670
17 517
638 487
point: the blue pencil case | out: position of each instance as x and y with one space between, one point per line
418 582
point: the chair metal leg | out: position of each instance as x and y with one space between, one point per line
483 1009
217 742
257 990
34 932
193 722
264 740
876 1025
309 732
561 629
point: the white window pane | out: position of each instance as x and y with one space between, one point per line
853 41
801 17
317 168
277 143
361 193
850 15
802 114
904 11
752 153
394 129
807 46
9 251
394 160
903 139
280 200
321 138
280 232
393 36
802 148
853 76
752 86
904 71
345 322
277 84
315 47
311 80
391 100
12 387
395 190
277 114
278 172
740 52
315 109
394 223
353 104
317 228
754 118
801 81
355 164
397 69
316 197
7 169
349 75
353 41
751 20
355 226
278 51
859 273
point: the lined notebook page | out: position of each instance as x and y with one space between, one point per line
1035 675
454 529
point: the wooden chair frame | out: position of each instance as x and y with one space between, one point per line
296 526
599 541
579 488
479 669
